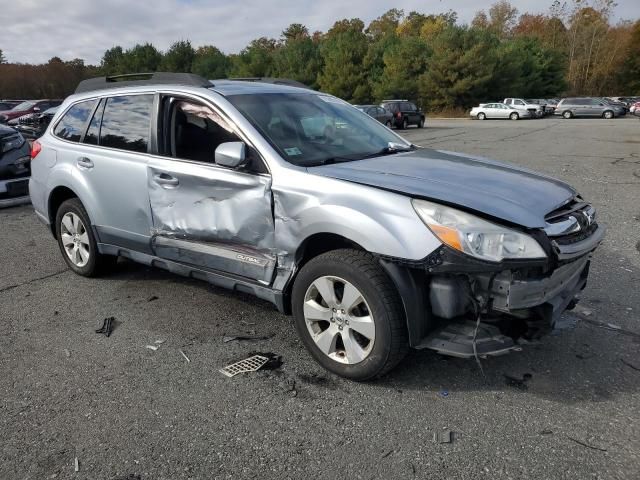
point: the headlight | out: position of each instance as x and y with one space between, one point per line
474 236
12 142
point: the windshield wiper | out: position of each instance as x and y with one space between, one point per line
390 149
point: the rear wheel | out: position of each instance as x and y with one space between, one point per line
482 116
421 124
388 124
567 114
77 242
349 315
514 116
405 123
608 114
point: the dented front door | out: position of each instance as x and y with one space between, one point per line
211 217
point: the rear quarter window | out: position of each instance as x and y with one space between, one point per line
74 122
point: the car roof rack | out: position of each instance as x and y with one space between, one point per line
137 79
273 80
395 100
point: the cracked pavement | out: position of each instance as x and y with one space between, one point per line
123 409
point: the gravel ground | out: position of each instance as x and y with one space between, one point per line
123 409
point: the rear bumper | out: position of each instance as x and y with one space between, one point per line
14 192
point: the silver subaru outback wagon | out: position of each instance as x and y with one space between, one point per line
373 244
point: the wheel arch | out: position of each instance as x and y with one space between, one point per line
57 196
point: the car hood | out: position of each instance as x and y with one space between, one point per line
513 194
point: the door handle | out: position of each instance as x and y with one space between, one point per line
84 162
166 180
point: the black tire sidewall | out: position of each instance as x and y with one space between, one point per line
567 114
481 116
405 124
377 359
514 116
74 205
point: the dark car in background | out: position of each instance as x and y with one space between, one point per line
404 113
588 107
379 113
15 167
9 104
26 107
33 125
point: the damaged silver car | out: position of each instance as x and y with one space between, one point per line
373 244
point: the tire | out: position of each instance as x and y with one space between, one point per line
74 238
567 114
388 124
481 116
608 115
405 124
421 123
384 343
514 116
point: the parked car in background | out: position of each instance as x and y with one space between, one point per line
379 113
373 244
622 106
587 107
9 104
552 104
498 110
534 108
29 106
539 101
405 113
15 162
634 108
34 125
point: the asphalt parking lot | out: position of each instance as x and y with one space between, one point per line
123 409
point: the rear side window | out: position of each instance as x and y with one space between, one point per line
93 132
73 123
126 123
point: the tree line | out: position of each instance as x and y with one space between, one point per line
572 49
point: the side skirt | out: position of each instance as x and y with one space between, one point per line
215 278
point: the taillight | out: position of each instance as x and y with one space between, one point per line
36 148
399 114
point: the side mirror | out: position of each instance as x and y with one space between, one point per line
231 154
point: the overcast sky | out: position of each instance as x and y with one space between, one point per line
35 30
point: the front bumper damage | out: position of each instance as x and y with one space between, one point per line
471 307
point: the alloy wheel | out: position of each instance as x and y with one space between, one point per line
339 320
75 239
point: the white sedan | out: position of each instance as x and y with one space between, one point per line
498 110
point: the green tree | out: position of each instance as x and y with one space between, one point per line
461 68
343 50
179 57
141 59
404 62
256 60
385 25
298 56
113 61
209 62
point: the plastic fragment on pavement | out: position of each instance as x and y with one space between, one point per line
185 356
152 347
250 364
443 436
76 465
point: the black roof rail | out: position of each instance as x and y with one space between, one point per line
273 80
137 79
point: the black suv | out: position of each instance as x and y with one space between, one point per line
405 113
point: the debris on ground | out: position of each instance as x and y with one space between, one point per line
443 393
185 356
76 465
546 432
592 447
611 327
444 436
251 364
248 324
289 386
131 476
233 338
519 383
67 353
152 298
156 345
256 361
631 365
108 325
385 455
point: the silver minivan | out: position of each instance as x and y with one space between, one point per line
373 244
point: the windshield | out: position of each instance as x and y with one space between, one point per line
315 129
23 106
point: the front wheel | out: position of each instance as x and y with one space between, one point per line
514 116
608 114
567 115
481 116
349 315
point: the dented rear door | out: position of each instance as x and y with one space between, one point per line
212 217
